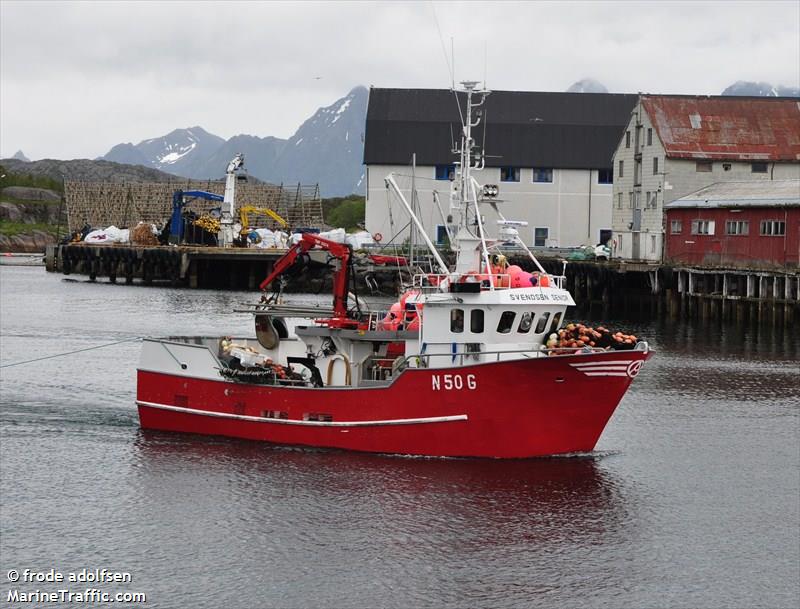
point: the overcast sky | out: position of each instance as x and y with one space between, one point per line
76 78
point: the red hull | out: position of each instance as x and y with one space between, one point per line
513 409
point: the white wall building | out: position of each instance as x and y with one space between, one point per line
549 153
674 145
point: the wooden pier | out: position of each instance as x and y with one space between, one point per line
598 287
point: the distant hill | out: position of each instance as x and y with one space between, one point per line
326 149
86 169
760 89
587 85
20 156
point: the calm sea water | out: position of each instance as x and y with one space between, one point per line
692 498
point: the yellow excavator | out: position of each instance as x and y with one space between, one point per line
246 210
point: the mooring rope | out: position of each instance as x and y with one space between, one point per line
39 359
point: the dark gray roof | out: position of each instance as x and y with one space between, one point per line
752 193
525 129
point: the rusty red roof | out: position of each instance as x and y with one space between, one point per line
734 128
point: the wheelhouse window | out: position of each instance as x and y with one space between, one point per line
773 228
675 227
445 172
476 321
605 176
509 174
457 321
703 166
525 322
543 175
702 227
506 322
542 323
540 236
758 168
737 227
556 322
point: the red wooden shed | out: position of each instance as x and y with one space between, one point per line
749 225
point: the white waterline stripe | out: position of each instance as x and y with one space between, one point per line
606 373
603 363
242 417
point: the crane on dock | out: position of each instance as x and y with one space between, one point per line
180 198
229 203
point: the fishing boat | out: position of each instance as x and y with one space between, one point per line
465 364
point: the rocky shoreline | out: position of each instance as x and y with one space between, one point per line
37 207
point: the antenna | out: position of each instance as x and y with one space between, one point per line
453 63
485 53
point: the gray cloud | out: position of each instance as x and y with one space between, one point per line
78 77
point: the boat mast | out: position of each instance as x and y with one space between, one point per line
471 248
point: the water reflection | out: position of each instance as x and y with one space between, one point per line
465 503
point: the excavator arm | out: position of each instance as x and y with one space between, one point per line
340 251
245 211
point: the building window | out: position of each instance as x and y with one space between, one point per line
441 234
647 199
675 227
649 136
476 321
726 166
457 321
773 228
737 227
619 200
655 165
446 172
541 175
627 139
509 174
652 244
630 200
506 322
703 166
759 168
540 236
621 167
702 227
653 199
605 176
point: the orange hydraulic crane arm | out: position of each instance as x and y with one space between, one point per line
340 251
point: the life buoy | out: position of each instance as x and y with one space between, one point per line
377 237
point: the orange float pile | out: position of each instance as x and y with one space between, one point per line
577 336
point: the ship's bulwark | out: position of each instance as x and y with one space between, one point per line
514 409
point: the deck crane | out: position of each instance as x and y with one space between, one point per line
343 253
229 204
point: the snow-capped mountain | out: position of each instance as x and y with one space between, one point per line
760 89
181 152
587 85
327 149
